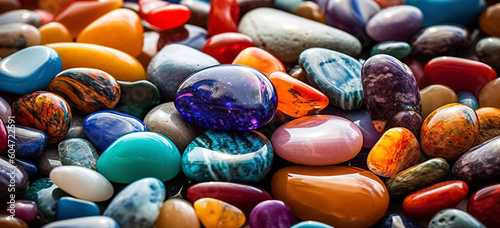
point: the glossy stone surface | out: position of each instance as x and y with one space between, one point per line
49 160
398 23
488 51
244 197
226 46
362 119
118 64
189 35
5 110
69 208
16 36
336 74
484 206
417 177
173 64
464 13
396 220
8 222
391 94
427 202
24 209
310 224
54 32
260 60
105 127
285 35
20 16
449 131
435 96
143 200
489 95
137 98
396 150
439 40
310 140
325 194
45 194
214 213
467 98
488 19
223 16
177 213
82 183
29 70
93 221
78 152
271 214
163 15
89 90
9 173
454 218
395 49
128 160
489 124
28 166
4 135
227 97
29 142
237 156
45 111
311 11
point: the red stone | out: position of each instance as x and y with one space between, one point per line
226 46
223 16
163 15
242 196
484 205
427 202
3 136
459 74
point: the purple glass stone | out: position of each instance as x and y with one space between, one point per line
271 214
398 23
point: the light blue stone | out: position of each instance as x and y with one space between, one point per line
69 208
336 74
86 222
138 204
464 12
29 70
467 98
311 224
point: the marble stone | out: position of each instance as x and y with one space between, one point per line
397 23
78 152
137 98
272 214
454 218
29 142
85 222
70 208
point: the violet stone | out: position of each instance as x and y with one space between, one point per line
271 214
398 23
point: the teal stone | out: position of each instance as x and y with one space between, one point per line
138 155
311 224
69 208
234 156
46 195
137 98
418 177
337 75
438 12
85 222
397 50
137 205
454 218
78 152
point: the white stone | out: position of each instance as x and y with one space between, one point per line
85 222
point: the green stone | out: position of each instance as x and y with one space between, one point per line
418 177
138 155
137 98
46 195
79 152
398 50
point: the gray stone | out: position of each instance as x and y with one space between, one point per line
285 35
78 152
454 218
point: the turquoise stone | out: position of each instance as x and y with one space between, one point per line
454 218
45 194
79 152
138 155
137 98
448 11
235 156
337 75
467 98
29 70
311 224
69 208
138 205
397 50
85 222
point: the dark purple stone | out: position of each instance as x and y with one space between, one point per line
439 40
13 180
271 214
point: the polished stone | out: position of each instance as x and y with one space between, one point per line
489 124
176 213
29 142
271 214
488 51
397 23
396 220
78 152
398 50
137 98
215 213
13 179
439 40
69 208
85 222
467 98
45 194
17 36
435 96
454 218
484 206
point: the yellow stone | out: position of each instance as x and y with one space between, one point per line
214 213
435 96
54 32
177 213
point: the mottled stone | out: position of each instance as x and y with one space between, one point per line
489 124
79 152
488 51
454 218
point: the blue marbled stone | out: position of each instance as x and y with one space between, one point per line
104 127
448 11
69 208
28 166
227 97
85 222
138 204
45 194
467 98
29 70
236 156
396 220
311 224
30 143
79 152
454 218
336 74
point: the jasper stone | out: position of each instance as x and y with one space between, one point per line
285 35
467 98
16 36
489 124
439 40
391 94
398 23
85 222
325 194
227 97
128 159
484 206
454 218
488 51
271 214
435 96
142 199
137 98
177 213
13 179
317 140
170 66
234 156
69 208
29 142
417 177
78 152
396 49
396 220
336 74
29 70
45 194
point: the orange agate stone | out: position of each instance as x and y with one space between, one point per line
259 59
54 32
214 213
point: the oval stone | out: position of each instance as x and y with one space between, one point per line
85 222
259 59
318 140
78 152
16 36
13 179
54 32
435 96
128 159
483 205
24 209
488 19
490 94
234 156
488 51
454 218
271 214
177 213
397 23
489 124
449 131
29 70
28 166
398 50
467 98
29 142
362 119
227 97
336 74
326 194
21 16
439 40
69 208
137 98
216 213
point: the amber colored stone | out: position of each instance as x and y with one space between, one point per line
226 46
177 213
488 21
122 28
223 16
490 94
489 123
311 11
12 222
54 7
54 32
118 64
214 213
81 13
426 202
396 150
340 196
260 60
296 98
435 96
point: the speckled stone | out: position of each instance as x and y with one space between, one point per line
78 152
454 218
